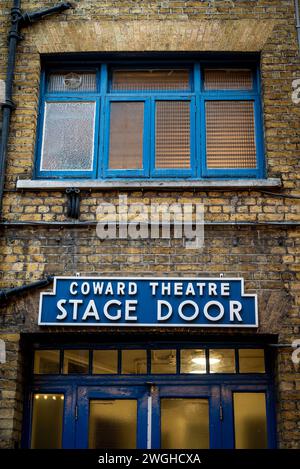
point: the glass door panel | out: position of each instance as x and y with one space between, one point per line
113 423
250 420
112 417
249 417
47 421
186 417
184 423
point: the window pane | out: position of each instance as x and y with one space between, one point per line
222 361
113 424
192 361
252 361
71 81
68 136
134 361
76 361
184 423
163 361
105 361
150 80
172 134
46 361
47 421
230 134
126 135
228 79
250 421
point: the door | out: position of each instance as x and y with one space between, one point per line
112 417
149 416
186 417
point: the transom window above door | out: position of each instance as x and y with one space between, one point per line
145 121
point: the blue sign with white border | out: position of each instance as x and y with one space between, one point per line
153 302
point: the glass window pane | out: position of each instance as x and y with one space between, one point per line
192 361
184 423
222 361
47 421
134 361
105 361
250 420
71 81
126 135
150 80
228 79
76 361
230 134
163 361
113 424
46 361
252 361
172 135
68 136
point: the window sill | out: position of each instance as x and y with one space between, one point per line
214 184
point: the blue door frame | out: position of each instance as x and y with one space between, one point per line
219 392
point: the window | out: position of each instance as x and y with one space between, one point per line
136 361
193 120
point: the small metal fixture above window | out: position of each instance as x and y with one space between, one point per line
72 81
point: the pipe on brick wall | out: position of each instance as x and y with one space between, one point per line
8 105
17 21
5 294
297 11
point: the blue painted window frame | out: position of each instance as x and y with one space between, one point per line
218 388
197 96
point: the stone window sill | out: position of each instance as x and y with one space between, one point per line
214 184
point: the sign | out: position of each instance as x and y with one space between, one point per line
155 302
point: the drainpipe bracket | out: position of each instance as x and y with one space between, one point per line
14 34
9 104
16 15
73 208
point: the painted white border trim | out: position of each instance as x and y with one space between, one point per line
51 184
204 279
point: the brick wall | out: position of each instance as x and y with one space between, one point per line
267 256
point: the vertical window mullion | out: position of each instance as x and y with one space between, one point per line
152 101
258 133
102 77
202 132
199 130
147 138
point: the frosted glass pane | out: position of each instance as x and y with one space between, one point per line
76 361
228 79
184 423
47 421
126 135
250 420
113 424
71 81
172 135
134 362
46 361
163 361
68 136
252 361
192 361
150 80
222 361
105 361
230 134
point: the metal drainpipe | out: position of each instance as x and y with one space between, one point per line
297 22
8 106
5 294
17 20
